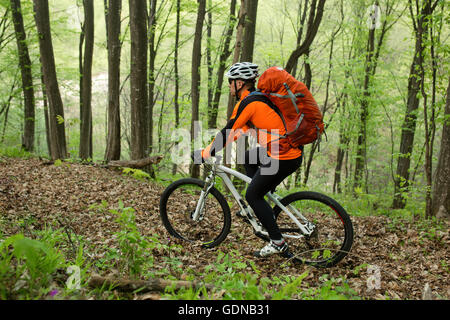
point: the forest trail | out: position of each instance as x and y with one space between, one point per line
405 255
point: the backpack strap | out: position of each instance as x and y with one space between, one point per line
262 97
221 137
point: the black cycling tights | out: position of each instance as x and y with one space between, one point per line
266 174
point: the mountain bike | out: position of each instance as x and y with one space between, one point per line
318 230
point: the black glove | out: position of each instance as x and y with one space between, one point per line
196 156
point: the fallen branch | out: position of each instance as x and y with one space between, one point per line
126 285
135 164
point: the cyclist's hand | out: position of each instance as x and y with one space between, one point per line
197 157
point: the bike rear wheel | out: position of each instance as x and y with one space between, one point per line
332 237
177 205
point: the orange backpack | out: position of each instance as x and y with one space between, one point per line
302 117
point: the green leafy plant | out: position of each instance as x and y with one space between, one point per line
134 249
137 174
14 152
290 288
330 289
26 266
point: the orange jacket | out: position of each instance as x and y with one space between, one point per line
261 116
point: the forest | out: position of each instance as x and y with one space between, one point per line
103 102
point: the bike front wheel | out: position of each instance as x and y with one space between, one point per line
332 235
177 206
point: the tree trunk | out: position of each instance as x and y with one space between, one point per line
315 145
430 119
237 51
248 41
151 71
46 116
113 148
372 54
196 61
361 146
27 77
5 108
176 74
401 183
213 110
138 78
86 80
301 18
342 146
441 187
249 30
209 64
314 20
56 109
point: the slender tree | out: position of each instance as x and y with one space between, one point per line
248 43
224 55
375 39
430 109
4 108
210 67
315 18
176 73
56 109
86 80
27 77
441 187
420 19
195 71
138 78
314 10
237 49
249 30
315 145
152 20
113 12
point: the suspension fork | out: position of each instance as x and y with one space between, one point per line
200 208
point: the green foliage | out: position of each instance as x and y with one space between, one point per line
15 152
137 174
230 277
27 266
134 251
331 289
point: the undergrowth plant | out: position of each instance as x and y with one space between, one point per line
134 249
231 279
137 174
27 266
133 255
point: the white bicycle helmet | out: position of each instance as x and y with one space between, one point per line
243 70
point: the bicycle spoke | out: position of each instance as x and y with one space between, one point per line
178 207
331 236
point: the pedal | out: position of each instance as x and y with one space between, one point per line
290 256
287 254
243 217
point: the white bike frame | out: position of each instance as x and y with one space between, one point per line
222 171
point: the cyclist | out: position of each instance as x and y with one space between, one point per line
252 113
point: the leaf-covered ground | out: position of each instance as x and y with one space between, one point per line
408 255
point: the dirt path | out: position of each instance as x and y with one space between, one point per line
401 255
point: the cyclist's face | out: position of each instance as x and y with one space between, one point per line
232 86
